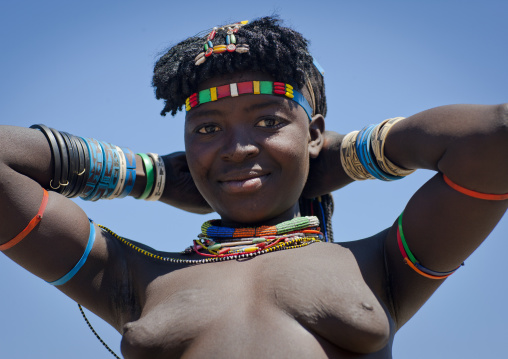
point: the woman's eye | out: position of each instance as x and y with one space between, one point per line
270 122
207 129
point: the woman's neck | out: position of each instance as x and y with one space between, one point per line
290 213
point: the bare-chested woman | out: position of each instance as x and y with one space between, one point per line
258 154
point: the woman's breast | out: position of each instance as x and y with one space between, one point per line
280 303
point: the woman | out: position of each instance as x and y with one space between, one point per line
249 156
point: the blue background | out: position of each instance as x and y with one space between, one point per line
85 68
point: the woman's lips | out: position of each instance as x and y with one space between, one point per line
244 183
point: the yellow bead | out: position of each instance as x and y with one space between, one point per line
250 249
256 87
213 93
290 95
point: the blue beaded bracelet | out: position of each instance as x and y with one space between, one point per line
367 158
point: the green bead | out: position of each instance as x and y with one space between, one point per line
266 87
204 96
233 39
215 247
206 46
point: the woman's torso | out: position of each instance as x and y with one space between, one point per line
323 300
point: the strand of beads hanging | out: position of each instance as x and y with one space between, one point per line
231 46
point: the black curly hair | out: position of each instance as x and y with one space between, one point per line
274 49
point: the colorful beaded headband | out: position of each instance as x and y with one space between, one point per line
230 45
248 87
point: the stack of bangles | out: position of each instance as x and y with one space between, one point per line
362 154
94 170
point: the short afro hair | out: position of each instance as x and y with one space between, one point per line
274 49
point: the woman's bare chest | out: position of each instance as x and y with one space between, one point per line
291 299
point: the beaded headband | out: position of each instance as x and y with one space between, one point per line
247 88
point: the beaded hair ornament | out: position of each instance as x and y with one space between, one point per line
209 48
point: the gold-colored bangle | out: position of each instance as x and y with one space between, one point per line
349 158
378 147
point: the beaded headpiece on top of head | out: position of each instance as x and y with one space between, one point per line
249 87
230 46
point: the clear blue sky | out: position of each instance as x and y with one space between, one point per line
85 68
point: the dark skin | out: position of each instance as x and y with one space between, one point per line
241 152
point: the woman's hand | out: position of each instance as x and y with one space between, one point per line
326 173
180 190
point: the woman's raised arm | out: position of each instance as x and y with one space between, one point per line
444 222
54 241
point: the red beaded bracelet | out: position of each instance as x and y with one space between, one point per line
31 225
471 193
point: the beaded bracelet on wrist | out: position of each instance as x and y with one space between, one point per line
362 154
94 170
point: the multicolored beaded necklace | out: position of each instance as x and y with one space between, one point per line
217 243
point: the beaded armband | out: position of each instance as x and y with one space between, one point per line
475 194
411 260
31 225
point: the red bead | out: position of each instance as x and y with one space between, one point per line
279 84
245 87
209 52
231 48
211 36
279 92
224 250
194 96
223 91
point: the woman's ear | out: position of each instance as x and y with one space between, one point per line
316 130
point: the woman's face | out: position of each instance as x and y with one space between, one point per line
249 155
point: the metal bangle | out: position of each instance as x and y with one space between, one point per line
64 155
55 152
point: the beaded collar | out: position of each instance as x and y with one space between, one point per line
217 243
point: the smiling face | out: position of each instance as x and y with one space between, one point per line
249 155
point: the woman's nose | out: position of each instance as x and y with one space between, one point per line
239 147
